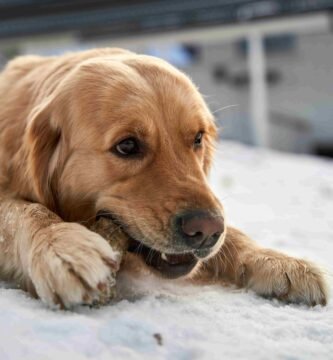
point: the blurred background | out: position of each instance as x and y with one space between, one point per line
264 67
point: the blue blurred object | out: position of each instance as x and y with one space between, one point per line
176 54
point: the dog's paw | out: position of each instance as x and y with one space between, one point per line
272 274
71 265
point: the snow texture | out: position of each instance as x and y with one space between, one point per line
283 201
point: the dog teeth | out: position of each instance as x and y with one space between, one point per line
164 257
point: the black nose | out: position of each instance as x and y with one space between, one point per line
199 228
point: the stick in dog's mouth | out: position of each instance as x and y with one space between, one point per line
112 232
171 266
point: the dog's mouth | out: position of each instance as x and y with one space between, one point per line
169 265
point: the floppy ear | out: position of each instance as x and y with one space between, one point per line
42 141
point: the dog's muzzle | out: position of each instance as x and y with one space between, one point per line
196 233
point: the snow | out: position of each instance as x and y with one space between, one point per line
284 202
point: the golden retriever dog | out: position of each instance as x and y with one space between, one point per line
110 133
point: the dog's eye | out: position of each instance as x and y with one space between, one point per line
198 139
127 147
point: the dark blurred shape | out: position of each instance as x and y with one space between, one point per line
194 51
273 77
220 73
241 79
325 150
90 17
276 44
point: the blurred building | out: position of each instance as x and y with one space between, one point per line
264 67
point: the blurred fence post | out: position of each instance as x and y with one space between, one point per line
258 88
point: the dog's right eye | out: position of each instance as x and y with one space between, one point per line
127 147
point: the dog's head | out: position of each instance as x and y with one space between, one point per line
131 138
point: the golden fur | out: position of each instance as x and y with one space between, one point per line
59 118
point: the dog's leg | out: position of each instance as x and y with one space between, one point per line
269 273
63 263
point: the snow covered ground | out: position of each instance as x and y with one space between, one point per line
284 202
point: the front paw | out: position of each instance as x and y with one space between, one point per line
272 274
71 265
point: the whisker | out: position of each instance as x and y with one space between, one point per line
224 108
